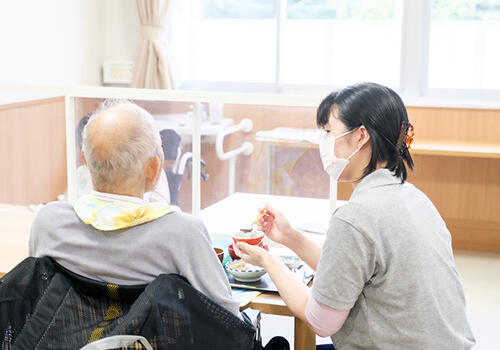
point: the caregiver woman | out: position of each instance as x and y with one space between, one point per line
385 276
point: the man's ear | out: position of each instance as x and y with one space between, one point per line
152 170
83 158
364 136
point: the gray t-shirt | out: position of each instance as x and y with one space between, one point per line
388 258
174 243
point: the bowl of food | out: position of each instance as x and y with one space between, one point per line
244 272
220 254
251 236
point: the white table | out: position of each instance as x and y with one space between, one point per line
227 216
15 224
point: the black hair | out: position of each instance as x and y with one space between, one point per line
79 130
382 112
170 141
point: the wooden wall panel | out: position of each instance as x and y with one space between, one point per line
32 151
479 126
461 187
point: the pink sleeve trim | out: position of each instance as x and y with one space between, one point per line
324 319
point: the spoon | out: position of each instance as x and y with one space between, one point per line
255 222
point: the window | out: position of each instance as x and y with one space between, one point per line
320 42
255 9
341 42
422 48
464 48
226 40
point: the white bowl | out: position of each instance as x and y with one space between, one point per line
248 273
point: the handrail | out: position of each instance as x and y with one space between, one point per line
246 147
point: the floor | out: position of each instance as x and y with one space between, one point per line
480 273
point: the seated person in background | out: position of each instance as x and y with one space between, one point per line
112 234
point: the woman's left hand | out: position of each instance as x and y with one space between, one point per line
252 254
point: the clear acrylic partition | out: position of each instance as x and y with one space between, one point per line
236 153
175 123
279 164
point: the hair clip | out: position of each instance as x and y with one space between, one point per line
410 136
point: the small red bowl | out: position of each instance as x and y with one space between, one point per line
220 254
233 254
251 241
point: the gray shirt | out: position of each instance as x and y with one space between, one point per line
174 243
388 258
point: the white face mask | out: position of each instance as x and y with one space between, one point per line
333 166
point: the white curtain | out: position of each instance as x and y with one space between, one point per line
153 64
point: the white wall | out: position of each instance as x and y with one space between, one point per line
121 30
51 41
64 42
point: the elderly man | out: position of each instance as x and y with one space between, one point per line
113 235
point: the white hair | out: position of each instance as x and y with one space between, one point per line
125 165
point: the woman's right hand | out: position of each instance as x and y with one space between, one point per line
276 227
